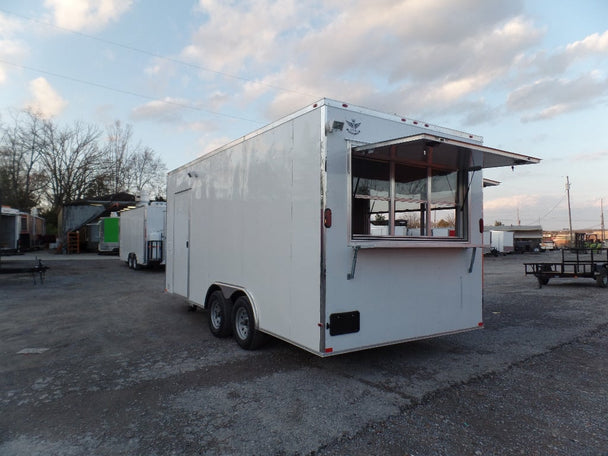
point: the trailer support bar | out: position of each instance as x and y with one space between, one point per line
472 260
351 274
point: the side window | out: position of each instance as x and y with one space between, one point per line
407 193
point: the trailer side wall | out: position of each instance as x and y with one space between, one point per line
254 223
132 225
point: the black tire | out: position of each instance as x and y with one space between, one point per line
243 325
135 265
130 261
220 313
602 278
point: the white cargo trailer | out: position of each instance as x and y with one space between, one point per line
142 232
336 229
502 241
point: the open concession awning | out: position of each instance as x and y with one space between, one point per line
448 152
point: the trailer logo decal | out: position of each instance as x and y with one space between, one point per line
353 127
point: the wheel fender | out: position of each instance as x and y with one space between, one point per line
210 290
232 292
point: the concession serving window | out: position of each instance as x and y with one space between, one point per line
417 188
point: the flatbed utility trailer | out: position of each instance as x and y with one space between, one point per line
336 228
575 263
36 269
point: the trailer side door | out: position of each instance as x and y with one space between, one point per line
181 243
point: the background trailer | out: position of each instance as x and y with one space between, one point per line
109 237
10 228
336 228
142 231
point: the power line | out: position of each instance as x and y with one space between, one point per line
552 209
128 92
155 55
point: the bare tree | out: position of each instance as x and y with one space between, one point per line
131 167
72 160
43 163
21 147
147 172
118 151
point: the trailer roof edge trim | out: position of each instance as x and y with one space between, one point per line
402 119
492 158
327 102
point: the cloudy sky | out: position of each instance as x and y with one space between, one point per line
529 76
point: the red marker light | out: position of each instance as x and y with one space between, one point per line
329 350
327 218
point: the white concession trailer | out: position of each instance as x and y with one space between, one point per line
336 229
142 232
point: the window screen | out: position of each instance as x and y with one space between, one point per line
407 192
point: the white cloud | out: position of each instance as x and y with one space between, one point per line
211 144
46 100
237 34
167 110
591 44
592 156
419 59
510 202
86 14
543 63
551 97
11 49
170 109
417 56
9 26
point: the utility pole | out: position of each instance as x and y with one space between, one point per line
602 219
569 211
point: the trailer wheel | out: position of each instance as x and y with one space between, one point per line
602 278
130 261
243 322
220 311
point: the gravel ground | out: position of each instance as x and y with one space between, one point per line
550 404
99 360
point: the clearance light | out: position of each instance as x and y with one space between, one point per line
480 324
329 350
481 225
327 218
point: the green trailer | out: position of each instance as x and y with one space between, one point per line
109 235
